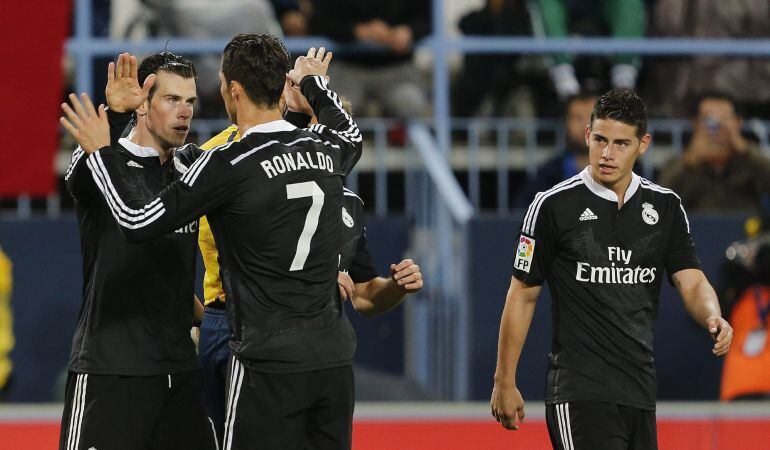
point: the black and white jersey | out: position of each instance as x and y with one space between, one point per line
137 298
354 256
273 200
604 268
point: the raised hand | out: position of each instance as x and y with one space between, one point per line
123 92
88 126
315 63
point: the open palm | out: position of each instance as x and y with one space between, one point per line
123 91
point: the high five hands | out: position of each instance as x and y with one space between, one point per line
89 125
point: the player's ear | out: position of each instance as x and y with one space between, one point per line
644 143
235 89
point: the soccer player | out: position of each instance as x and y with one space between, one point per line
273 200
602 240
134 380
370 294
374 295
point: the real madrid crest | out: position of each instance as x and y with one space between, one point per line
649 215
347 219
179 166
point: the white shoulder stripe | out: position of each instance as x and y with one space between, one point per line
287 144
646 184
347 192
530 219
76 155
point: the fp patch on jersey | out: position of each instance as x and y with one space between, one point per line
524 252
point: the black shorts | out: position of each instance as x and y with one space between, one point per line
114 412
289 411
600 426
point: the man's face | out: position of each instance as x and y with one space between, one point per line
717 121
612 149
170 110
578 116
224 90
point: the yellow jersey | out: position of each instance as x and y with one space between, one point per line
212 284
6 318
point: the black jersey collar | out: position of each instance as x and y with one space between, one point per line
609 194
270 127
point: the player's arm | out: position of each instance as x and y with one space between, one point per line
507 402
534 253
702 304
203 187
77 178
334 123
380 295
699 298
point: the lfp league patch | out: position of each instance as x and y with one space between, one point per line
524 251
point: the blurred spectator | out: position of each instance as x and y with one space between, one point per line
619 18
389 76
494 77
204 19
746 370
572 160
6 323
293 16
720 170
745 80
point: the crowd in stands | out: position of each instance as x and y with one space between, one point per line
721 168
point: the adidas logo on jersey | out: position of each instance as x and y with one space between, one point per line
588 215
132 163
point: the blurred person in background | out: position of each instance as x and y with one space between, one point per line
720 170
573 158
387 75
6 323
619 18
204 19
745 299
494 77
293 15
745 80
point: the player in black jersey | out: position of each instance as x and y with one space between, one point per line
273 201
370 294
602 240
134 380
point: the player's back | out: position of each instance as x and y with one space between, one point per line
279 236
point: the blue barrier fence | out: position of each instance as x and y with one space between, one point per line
47 297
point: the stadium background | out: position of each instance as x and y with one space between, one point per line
440 194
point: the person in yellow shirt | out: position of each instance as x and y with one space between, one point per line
6 322
213 349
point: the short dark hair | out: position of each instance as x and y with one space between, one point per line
259 62
624 106
166 62
712 95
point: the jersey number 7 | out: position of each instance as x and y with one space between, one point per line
301 190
